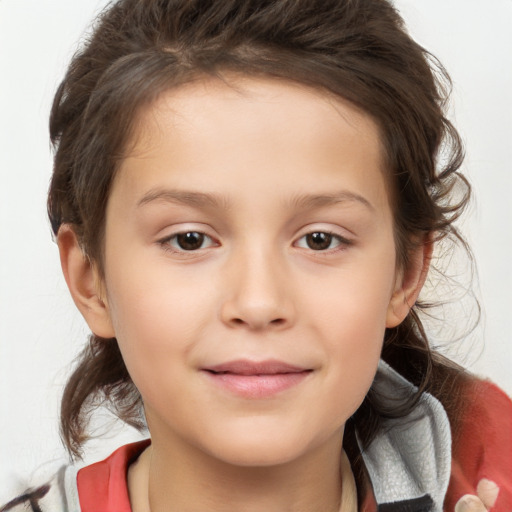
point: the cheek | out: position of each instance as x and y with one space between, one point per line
353 303
146 297
350 318
155 316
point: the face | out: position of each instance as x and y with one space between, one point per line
250 267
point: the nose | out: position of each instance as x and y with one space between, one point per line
258 294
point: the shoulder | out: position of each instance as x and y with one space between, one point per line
97 487
482 444
55 494
484 433
103 485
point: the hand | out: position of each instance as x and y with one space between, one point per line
487 494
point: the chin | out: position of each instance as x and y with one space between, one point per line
260 447
260 455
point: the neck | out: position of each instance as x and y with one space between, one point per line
167 480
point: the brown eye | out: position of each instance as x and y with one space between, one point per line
319 241
189 241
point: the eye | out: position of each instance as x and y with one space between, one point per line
321 241
188 241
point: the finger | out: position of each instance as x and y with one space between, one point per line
470 503
488 492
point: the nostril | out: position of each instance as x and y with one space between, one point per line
276 322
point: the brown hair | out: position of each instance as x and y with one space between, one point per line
356 49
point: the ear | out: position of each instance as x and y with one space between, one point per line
409 283
84 283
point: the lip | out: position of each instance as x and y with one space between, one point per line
256 379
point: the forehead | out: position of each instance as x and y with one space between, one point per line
210 101
210 128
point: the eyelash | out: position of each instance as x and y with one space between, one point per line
172 243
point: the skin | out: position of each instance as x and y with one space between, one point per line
277 161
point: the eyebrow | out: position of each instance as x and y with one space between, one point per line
186 197
305 201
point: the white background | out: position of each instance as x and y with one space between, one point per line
40 332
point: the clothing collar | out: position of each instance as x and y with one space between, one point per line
409 462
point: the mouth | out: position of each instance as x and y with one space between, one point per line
256 380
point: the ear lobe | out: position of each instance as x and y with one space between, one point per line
409 284
84 283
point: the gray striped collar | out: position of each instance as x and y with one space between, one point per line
410 460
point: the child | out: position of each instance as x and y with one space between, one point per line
246 196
